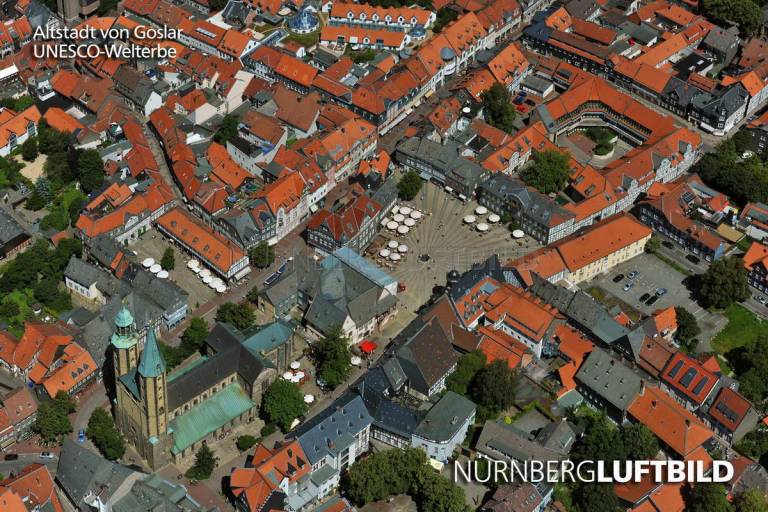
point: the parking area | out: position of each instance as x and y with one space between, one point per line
152 245
442 241
655 274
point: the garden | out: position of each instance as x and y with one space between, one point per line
604 139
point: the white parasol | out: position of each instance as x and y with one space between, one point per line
493 218
308 399
155 268
287 375
392 225
392 244
205 273
355 361
415 215
207 279
394 256
405 210
518 233
403 248
482 227
163 274
221 289
295 365
399 217
481 210
470 219
410 223
384 253
403 230
148 262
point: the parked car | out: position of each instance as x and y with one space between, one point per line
628 286
618 278
521 109
661 291
693 259
762 299
530 102
644 297
634 274
652 300
518 100
11 456
668 244
81 435
47 455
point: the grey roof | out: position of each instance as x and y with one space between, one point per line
81 471
427 357
9 228
165 293
609 378
445 418
153 494
722 39
444 158
82 273
334 428
533 204
388 414
726 103
582 9
499 441
103 249
341 286
680 92
229 357
581 309
134 85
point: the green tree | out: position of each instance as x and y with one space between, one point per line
56 219
253 295
498 109
9 309
227 130
687 329
205 463
750 364
409 185
706 497
52 421
751 501
238 314
194 336
549 171
91 170
639 442
103 433
246 442
445 15
51 141
333 358
438 494
746 14
724 283
466 369
29 149
75 207
262 255
754 445
602 440
594 497
492 389
653 245
168 261
283 403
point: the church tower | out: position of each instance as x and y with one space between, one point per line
125 344
151 375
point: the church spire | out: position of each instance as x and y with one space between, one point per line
151 363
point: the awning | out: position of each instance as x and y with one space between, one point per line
368 346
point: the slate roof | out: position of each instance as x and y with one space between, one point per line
533 204
609 378
445 418
427 357
333 429
9 228
153 494
498 440
81 471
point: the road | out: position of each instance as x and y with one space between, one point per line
25 459
92 399
157 152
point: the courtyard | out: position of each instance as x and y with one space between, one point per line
442 241
152 245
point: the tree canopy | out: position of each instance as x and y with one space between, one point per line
687 329
52 421
466 369
205 463
283 402
103 433
193 337
409 185
751 501
742 179
498 109
653 244
750 364
246 442
548 172
262 255
706 497
492 388
238 314
227 129
168 261
29 149
333 358
393 472
745 13
91 170
724 283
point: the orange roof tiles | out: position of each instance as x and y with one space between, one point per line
559 19
600 240
751 82
371 12
497 344
689 377
35 484
665 320
214 248
224 169
676 14
736 406
757 253
10 501
78 366
284 193
508 64
669 421
593 31
296 70
18 124
359 35
60 120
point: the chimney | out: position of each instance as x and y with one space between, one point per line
687 423
653 403
642 387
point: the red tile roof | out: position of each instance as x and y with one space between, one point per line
730 409
689 378
669 421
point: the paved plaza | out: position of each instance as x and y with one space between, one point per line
449 243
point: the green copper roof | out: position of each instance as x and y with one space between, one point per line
151 363
208 416
124 318
120 341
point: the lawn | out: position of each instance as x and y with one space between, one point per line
743 327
